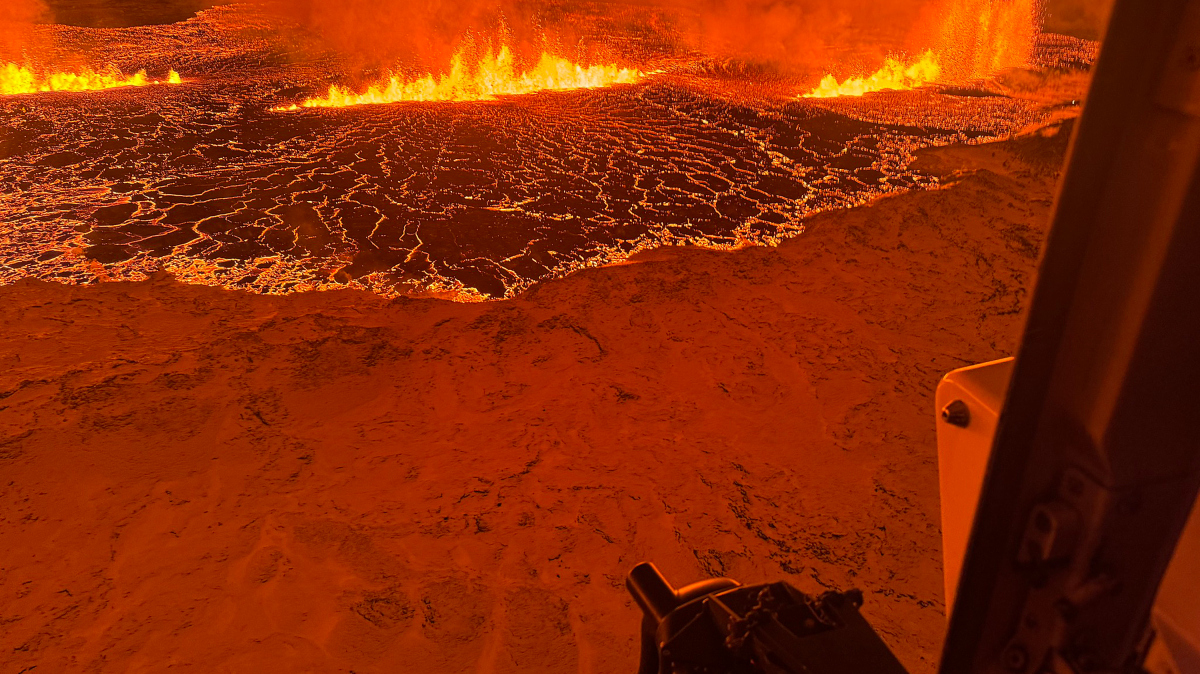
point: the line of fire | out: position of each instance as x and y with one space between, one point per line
600 336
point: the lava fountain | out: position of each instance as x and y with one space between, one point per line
15 79
494 75
894 75
977 39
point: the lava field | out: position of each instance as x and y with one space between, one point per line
469 200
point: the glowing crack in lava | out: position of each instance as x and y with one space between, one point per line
495 75
894 75
15 79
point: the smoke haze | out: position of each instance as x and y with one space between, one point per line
803 33
797 35
786 33
1081 18
16 19
421 32
789 35
22 11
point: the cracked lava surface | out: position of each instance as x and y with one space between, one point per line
466 200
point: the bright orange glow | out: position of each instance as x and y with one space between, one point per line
894 75
495 75
15 79
977 39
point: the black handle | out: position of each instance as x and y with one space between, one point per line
652 591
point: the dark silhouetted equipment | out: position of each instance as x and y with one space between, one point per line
719 627
1094 462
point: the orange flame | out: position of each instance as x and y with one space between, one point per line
893 75
15 79
977 39
495 75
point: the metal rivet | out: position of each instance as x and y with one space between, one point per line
957 414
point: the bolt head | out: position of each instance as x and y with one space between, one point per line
957 414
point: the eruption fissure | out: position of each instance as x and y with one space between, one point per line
894 75
978 38
493 76
15 79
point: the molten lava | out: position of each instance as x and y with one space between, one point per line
977 39
894 75
982 37
494 75
15 79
